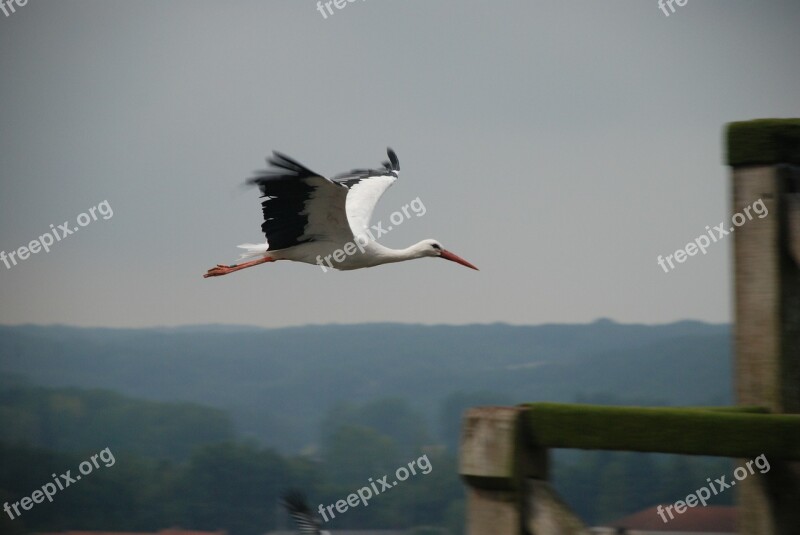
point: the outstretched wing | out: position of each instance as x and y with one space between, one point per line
365 189
300 205
295 503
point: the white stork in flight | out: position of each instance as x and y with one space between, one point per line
308 217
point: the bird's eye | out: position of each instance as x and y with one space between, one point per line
436 246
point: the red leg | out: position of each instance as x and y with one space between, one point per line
224 270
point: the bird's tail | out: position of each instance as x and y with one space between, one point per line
253 250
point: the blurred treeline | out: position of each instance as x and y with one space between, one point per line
210 424
278 384
181 464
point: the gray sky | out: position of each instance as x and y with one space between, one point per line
560 146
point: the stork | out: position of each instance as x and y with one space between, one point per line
295 503
308 217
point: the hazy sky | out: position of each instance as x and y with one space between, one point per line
560 146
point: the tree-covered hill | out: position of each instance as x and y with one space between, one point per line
278 383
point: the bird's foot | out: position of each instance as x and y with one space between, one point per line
219 270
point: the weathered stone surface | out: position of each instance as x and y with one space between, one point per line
767 306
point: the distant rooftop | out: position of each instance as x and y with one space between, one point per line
170 531
709 519
350 532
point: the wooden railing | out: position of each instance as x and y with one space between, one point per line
504 454
504 450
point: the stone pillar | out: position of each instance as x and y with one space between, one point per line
765 160
506 476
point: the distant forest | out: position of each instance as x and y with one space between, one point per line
210 425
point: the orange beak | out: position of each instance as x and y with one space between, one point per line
447 255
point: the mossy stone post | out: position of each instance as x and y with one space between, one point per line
508 492
489 459
765 159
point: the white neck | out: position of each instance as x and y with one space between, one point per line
385 255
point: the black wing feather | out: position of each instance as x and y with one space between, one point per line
353 177
295 503
287 185
286 189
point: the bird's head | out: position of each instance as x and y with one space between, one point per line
434 248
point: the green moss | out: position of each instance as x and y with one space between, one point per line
690 431
735 408
763 142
